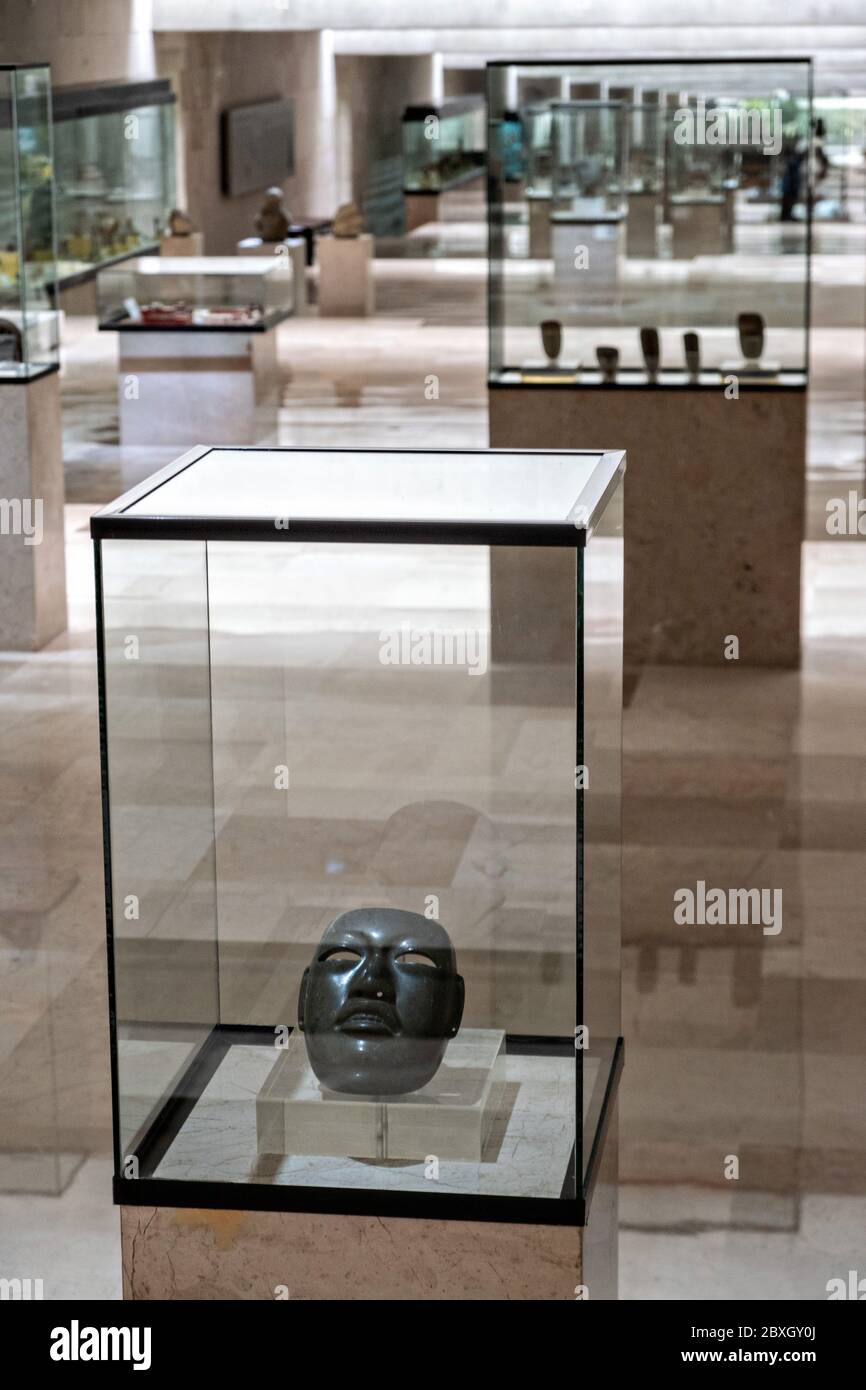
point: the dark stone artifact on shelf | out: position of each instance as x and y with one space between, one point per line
272 220
750 327
380 1002
692 350
649 346
608 361
551 339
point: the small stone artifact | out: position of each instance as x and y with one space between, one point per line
348 221
750 327
380 1002
692 350
272 220
180 223
551 339
608 361
649 346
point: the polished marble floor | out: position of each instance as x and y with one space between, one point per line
739 1044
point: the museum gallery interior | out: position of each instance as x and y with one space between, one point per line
432 608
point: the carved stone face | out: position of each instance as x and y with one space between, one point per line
380 1002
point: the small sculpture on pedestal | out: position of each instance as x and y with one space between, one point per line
608 361
692 350
750 327
272 219
651 349
551 340
180 223
348 221
380 1002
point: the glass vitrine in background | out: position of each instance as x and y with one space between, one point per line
368 753
444 145
189 292
115 171
717 270
28 315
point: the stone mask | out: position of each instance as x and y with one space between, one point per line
380 1002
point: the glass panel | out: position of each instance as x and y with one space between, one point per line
602 638
28 316
157 729
394 733
195 292
390 486
443 145
115 178
714 243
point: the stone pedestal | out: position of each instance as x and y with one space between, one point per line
419 209
189 1253
587 258
699 227
191 245
642 227
539 226
714 511
32 552
186 387
346 288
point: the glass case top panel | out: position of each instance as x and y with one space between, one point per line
394 486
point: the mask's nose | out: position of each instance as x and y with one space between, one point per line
373 978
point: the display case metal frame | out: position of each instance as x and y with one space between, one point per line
572 532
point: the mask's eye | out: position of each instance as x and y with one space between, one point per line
341 955
415 958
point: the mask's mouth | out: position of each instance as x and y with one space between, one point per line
368 1016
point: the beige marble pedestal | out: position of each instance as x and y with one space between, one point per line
190 245
699 227
32 553
346 288
714 511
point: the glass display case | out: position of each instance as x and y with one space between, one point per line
196 292
362 814
115 162
685 176
28 271
589 147
444 145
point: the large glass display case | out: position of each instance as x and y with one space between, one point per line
195 292
28 271
362 819
115 171
444 145
740 307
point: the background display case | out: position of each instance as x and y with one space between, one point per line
196 292
196 337
588 207
765 270
444 145
115 163
344 698
28 317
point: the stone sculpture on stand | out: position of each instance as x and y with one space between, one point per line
348 221
272 220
